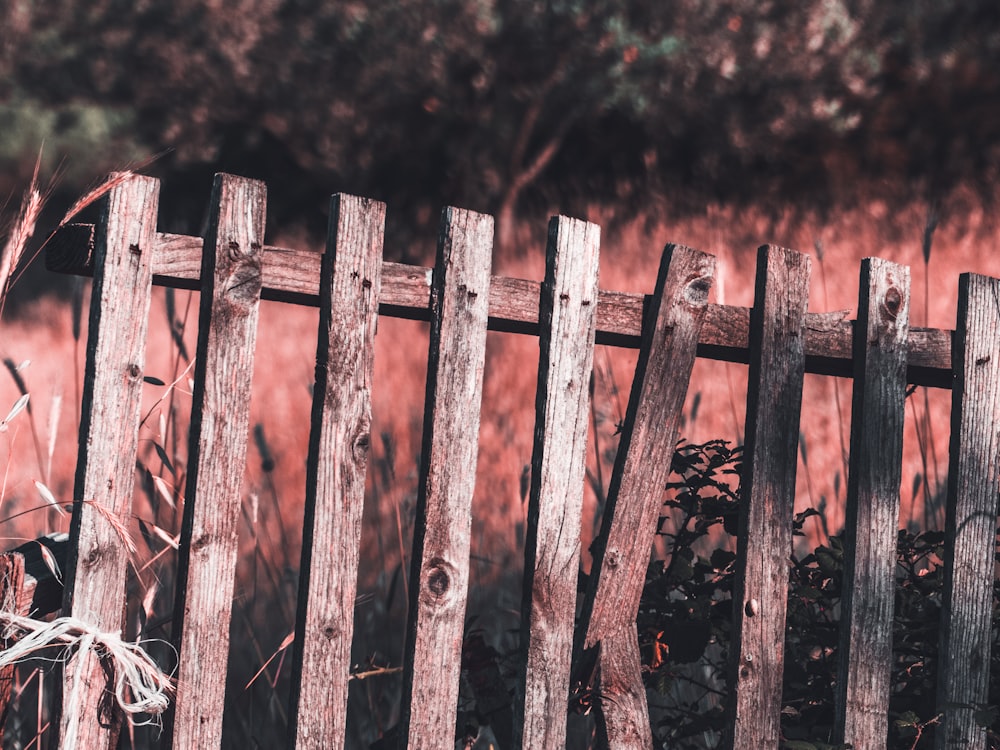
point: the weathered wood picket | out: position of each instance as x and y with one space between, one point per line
352 286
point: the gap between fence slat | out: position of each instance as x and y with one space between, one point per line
291 276
109 433
774 398
636 493
558 464
335 482
872 516
971 517
220 414
441 545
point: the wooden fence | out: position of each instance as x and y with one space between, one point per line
352 285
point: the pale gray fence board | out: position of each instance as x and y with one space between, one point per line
109 436
558 465
335 482
774 398
227 331
872 517
440 572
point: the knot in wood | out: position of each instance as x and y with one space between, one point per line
892 302
437 580
696 290
93 558
134 371
611 559
361 444
243 283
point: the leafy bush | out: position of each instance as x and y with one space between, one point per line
685 619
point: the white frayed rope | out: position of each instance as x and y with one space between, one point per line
140 686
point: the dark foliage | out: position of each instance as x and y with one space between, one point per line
686 613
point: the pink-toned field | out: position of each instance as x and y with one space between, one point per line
41 446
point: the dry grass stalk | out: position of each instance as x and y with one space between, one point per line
21 231
116 523
94 194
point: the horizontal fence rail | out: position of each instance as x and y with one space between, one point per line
293 276
352 284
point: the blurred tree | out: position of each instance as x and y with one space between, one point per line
502 104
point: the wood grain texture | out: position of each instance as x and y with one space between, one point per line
335 481
774 398
440 570
291 276
109 434
627 725
13 599
872 516
558 465
971 516
227 330
638 481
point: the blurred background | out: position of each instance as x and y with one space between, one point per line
509 107
841 128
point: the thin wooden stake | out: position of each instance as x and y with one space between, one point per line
558 464
441 544
335 482
774 399
971 517
227 331
872 517
109 434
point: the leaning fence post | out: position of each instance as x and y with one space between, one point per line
872 518
774 399
109 434
636 493
971 516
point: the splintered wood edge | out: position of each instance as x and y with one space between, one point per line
293 276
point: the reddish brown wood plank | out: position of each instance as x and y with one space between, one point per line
558 464
291 275
440 571
971 516
777 365
872 518
635 495
15 600
335 481
227 331
109 433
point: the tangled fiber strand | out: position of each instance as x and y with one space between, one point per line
140 687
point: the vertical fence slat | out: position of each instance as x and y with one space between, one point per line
971 516
441 544
227 331
872 518
636 493
109 435
774 399
568 314
335 484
